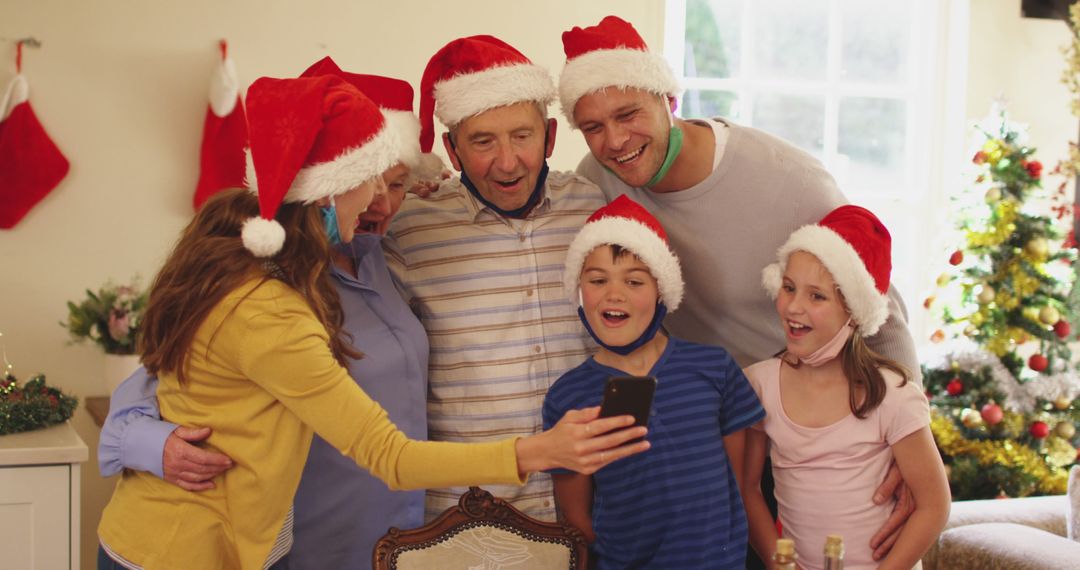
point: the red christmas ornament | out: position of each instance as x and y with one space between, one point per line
1034 169
954 387
1039 430
992 414
1038 362
1062 329
979 158
956 258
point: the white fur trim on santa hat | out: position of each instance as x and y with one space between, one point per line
17 92
349 170
869 308
224 89
468 94
407 127
635 236
623 68
262 237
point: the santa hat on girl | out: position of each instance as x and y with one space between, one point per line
626 223
610 54
856 249
310 138
395 98
471 75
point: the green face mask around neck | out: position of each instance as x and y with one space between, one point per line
674 145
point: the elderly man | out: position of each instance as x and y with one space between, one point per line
481 260
727 195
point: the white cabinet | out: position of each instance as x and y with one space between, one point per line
39 498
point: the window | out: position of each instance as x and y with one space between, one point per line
859 84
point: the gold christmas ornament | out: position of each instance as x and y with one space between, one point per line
1065 430
1037 247
977 319
943 279
1062 403
1049 315
993 195
971 418
984 293
970 330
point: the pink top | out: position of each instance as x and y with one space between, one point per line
826 476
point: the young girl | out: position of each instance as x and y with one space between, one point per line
837 413
245 331
678 505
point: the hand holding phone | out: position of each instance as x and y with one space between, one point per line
629 395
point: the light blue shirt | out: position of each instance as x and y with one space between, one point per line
340 509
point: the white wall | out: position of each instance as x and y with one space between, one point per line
121 86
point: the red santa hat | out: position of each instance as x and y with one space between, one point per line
857 250
311 138
626 223
221 154
471 75
610 54
395 98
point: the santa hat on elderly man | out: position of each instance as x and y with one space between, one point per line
610 54
475 74
853 244
310 138
629 225
395 98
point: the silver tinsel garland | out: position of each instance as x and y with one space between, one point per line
1019 396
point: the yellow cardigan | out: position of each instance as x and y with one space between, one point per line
261 374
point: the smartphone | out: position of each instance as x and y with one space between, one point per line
629 395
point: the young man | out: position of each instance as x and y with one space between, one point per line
728 195
481 259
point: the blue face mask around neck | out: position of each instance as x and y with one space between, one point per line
647 335
330 222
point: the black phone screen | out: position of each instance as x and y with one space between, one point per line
629 395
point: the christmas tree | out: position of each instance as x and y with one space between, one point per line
1002 386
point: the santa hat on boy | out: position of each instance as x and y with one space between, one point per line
310 138
395 98
626 223
856 249
471 75
610 54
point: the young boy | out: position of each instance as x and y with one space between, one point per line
678 504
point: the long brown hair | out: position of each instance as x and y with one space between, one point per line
862 367
209 261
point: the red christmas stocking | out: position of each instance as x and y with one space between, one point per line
30 164
221 158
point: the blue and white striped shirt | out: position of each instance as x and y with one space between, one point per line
676 505
489 292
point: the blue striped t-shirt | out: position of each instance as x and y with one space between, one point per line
676 505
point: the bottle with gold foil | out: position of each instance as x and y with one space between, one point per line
784 556
834 552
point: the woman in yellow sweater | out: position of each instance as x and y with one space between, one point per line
243 330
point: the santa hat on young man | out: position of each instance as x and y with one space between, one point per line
610 54
395 98
310 138
471 75
856 249
627 224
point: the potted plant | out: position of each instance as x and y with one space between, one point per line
110 318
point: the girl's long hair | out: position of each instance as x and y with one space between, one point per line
209 261
862 367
